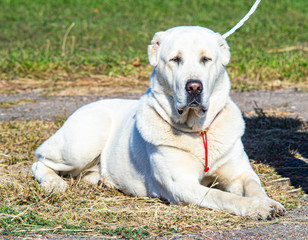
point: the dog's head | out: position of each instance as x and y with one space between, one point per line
189 65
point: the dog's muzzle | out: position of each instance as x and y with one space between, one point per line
194 89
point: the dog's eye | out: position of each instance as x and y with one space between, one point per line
205 59
176 59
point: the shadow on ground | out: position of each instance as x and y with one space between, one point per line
282 143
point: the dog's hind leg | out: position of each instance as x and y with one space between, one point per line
47 173
73 149
92 173
49 179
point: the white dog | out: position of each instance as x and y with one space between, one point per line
152 146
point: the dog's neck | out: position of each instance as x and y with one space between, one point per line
192 124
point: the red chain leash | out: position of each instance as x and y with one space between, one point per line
204 137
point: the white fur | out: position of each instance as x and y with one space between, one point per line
148 148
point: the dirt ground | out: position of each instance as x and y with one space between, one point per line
37 107
32 106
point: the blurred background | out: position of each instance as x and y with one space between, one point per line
44 40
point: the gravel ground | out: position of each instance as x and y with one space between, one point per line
49 108
294 225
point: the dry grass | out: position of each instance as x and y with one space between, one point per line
63 84
9 104
136 81
25 209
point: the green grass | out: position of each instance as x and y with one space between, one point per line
108 36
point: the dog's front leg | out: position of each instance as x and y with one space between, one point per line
238 177
176 175
253 189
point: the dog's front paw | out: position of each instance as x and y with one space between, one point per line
54 185
264 208
278 208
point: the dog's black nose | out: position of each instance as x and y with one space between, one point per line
194 87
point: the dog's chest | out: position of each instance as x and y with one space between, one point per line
193 143
220 137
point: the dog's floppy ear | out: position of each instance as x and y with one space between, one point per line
224 48
153 48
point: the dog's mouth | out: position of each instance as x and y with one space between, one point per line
194 105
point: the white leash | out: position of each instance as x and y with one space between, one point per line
243 20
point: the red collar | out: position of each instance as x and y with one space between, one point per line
212 121
204 138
